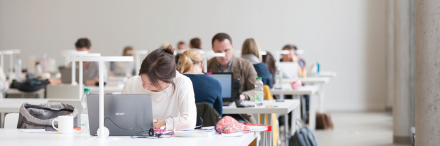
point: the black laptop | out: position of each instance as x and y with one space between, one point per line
124 114
226 81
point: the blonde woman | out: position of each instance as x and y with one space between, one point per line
206 88
251 52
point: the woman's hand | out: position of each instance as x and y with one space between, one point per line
159 124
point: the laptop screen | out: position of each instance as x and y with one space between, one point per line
225 80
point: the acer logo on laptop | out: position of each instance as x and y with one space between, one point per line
120 114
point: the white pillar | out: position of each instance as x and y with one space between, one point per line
390 55
81 83
404 63
427 87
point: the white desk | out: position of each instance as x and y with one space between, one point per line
16 137
310 90
321 81
23 94
107 89
282 108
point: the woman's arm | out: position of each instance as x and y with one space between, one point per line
187 107
218 103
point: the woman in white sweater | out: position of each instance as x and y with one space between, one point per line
172 93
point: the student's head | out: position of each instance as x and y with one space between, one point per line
195 43
270 62
222 43
190 60
181 46
158 69
250 46
127 52
83 44
292 55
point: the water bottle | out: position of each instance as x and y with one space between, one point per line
259 93
318 67
17 68
278 79
84 113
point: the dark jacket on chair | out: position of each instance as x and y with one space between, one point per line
209 115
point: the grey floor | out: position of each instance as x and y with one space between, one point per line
358 129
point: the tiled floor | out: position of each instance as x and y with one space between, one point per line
358 129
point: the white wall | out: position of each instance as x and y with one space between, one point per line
347 36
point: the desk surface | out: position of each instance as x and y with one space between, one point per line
16 91
282 107
287 90
16 137
309 80
107 89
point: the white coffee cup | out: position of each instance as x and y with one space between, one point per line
65 124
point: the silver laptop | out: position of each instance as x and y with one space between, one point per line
289 70
124 114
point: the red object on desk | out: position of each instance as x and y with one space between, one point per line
208 73
269 127
296 84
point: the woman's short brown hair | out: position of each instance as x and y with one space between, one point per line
159 65
195 43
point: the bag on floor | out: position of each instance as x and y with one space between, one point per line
324 121
40 116
303 136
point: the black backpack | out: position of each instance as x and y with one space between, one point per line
303 136
30 85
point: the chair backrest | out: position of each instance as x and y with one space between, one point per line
11 121
64 91
74 102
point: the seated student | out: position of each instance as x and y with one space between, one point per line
293 57
181 47
124 68
196 43
4 85
206 88
269 60
241 68
172 93
91 69
251 52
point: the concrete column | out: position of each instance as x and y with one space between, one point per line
404 62
390 55
427 72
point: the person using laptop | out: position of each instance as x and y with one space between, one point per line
90 69
293 57
171 92
241 68
251 52
206 88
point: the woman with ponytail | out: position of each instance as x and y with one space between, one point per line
206 88
171 92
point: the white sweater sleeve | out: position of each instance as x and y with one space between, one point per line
187 107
